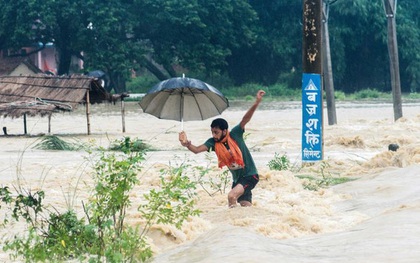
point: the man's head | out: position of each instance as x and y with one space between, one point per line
219 128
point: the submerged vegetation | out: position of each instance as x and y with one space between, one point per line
126 143
321 178
279 163
102 233
217 183
53 142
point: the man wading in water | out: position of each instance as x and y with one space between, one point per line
232 151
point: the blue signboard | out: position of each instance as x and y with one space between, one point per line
312 144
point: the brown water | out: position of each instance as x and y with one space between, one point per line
375 218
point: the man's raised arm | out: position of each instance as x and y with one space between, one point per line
248 115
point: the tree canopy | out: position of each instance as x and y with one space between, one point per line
247 41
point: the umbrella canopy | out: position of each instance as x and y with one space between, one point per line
184 99
96 73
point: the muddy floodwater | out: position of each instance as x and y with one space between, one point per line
373 218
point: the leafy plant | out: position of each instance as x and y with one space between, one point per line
173 203
60 237
29 207
5 195
127 144
115 176
279 163
6 198
104 236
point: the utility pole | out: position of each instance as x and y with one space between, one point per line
312 106
312 30
390 7
327 65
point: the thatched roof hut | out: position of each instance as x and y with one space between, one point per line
44 94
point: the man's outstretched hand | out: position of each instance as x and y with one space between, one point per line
260 95
183 139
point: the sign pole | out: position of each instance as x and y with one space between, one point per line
312 104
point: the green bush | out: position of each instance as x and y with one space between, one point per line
127 144
173 202
413 95
279 163
339 95
102 235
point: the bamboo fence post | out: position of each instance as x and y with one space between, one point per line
88 112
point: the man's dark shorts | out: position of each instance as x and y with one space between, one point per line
248 182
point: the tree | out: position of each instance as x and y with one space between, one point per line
20 25
250 41
408 47
359 45
404 57
277 46
111 46
358 50
197 35
118 36
33 22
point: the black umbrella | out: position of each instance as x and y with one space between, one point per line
96 73
184 99
102 76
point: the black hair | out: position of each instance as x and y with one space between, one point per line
219 123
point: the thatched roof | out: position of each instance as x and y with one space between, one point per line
43 94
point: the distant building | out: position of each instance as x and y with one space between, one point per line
17 66
45 61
